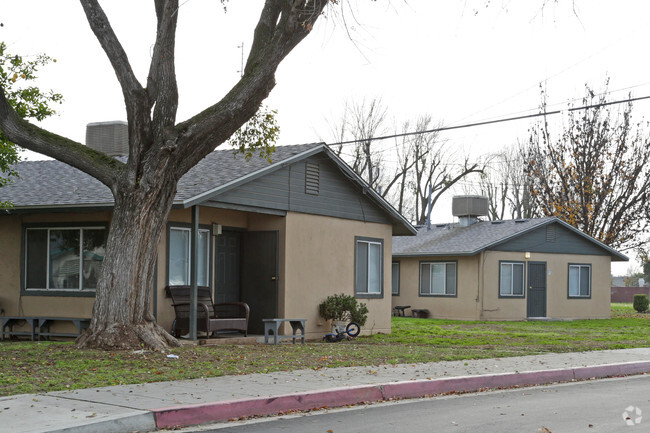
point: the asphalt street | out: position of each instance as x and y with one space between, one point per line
609 405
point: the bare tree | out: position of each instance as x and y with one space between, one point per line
365 121
160 152
504 182
423 162
405 162
595 174
436 169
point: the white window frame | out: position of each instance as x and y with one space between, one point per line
366 291
446 290
189 258
49 229
512 265
579 267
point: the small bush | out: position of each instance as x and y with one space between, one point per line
641 303
343 308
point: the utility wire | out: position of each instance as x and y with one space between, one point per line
489 122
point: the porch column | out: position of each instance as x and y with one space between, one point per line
194 255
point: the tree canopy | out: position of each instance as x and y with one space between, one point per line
594 174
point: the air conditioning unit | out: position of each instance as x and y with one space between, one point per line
468 208
111 138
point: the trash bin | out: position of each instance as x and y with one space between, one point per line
420 313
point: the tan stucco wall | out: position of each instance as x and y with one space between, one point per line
316 259
320 262
10 227
558 305
482 271
463 306
11 300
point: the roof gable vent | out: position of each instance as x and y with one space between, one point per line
550 233
312 178
111 138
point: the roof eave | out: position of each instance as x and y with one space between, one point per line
439 254
61 208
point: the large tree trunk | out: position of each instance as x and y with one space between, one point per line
122 315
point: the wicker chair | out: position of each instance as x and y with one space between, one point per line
211 318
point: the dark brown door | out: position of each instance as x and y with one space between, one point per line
227 267
259 277
536 289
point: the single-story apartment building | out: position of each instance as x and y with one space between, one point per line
279 236
502 270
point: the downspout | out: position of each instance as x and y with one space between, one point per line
194 254
481 283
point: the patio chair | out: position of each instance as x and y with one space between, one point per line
211 318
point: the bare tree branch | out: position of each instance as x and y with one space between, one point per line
282 25
161 82
18 130
135 97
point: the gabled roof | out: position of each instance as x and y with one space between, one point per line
53 185
456 240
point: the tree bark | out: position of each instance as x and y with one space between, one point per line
122 311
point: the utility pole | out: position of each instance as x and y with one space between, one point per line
429 208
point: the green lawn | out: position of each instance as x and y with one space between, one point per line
48 366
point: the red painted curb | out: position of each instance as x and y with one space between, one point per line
179 416
610 370
223 411
414 389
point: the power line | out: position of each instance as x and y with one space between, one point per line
490 122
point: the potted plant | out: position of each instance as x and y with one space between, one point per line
341 309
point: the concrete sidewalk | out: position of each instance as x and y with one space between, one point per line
146 407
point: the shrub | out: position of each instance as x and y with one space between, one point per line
641 303
343 308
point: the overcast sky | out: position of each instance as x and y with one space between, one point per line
459 61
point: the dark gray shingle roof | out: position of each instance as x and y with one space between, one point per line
452 239
46 184
456 240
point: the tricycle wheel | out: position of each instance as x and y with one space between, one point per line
353 329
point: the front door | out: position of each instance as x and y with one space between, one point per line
259 277
537 289
227 267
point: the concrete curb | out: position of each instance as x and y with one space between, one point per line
180 416
131 423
